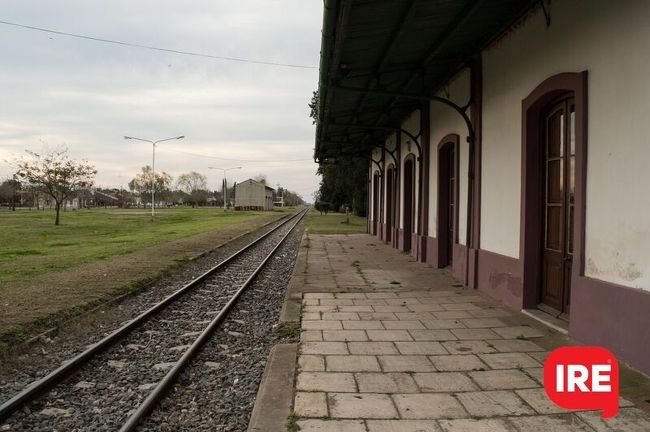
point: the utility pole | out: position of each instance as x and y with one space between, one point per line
153 166
225 183
280 198
13 195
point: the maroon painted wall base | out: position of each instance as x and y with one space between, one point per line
500 277
602 313
432 251
414 242
612 316
472 268
424 251
385 229
459 262
415 247
400 239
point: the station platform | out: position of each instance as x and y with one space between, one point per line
388 344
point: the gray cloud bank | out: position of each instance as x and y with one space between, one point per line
88 95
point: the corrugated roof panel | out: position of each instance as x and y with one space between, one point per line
446 33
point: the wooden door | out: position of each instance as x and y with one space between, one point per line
409 173
558 169
390 190
446 230
451 188
375 204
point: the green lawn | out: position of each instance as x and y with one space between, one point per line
32 245
334 223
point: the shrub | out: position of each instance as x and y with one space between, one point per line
323 207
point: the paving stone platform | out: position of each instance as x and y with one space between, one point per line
392 345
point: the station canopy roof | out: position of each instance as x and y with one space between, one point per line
395 47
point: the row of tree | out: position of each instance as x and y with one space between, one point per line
191 188
54 178
344 184
56 175
289 198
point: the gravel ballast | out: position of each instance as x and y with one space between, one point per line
217 392
102 394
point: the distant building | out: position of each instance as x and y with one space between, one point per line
253 195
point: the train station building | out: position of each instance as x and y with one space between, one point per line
506 142
253 195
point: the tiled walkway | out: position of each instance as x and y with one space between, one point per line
396 346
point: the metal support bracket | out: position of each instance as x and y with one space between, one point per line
471 134
415 140
359 156
547 12
386 128
391 153
381 169
460 110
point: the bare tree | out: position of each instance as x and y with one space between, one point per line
261 178
8 189
142 182
290 198
56 175
193 184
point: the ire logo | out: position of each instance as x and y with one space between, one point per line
582 378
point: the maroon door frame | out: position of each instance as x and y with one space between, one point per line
398 189
390 201
425 157
450 141
375 202
408 202
531 211
555 193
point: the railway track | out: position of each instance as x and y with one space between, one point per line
115 383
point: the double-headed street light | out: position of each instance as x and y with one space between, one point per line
225 184
153 166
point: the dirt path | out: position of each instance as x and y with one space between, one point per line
61 290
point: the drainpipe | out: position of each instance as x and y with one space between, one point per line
381 197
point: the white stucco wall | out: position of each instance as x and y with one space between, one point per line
376 155
412 125
610 40
445 121
391 145
250 194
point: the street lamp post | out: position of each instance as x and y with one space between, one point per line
13 195
225 184
153 166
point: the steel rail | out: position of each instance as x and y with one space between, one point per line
163 386
40 386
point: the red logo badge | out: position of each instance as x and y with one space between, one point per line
579 378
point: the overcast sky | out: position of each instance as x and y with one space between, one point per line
87 95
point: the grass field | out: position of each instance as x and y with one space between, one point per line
48 272
32 245
334 223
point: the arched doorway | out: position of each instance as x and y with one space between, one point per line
553 192
447 225
558 191
408 208
375 203
390 201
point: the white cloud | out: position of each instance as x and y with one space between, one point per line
88 95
